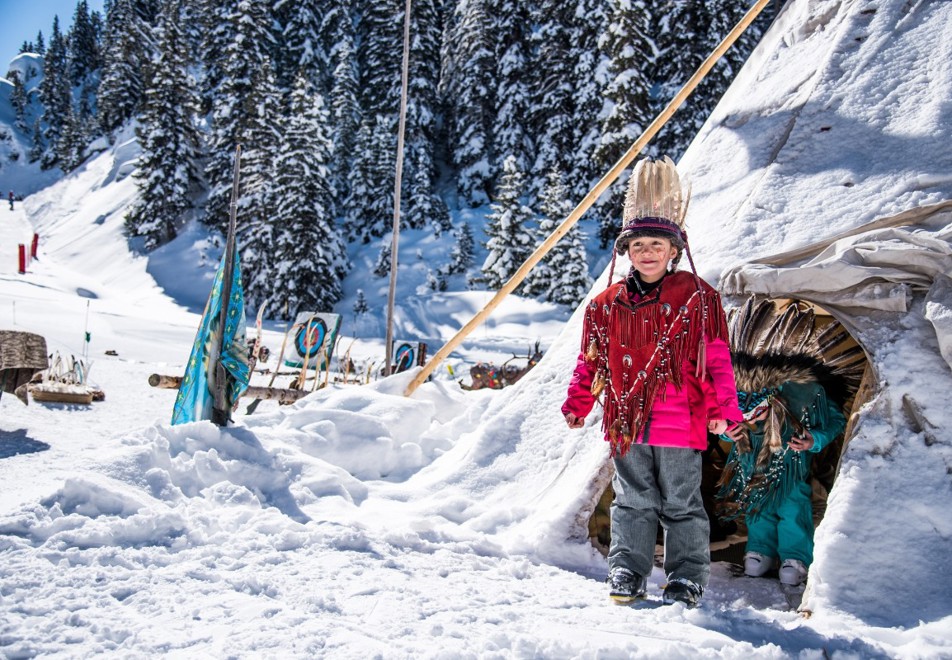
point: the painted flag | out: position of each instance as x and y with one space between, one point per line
196 396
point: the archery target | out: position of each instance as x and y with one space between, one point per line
313 339
322 334
408 354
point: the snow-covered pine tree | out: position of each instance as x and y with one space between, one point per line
360 304
589 79
420 200
308 259
217 37
562 276
126 47
422 204
384 257
629 52
369 207
553 91
303 50
56 96
380 35
83 45
510 239
37 147
168 172
39 44
236 108
19 100
468 87
512 133
462 254
344 121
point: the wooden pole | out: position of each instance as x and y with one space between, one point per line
394 243
590 198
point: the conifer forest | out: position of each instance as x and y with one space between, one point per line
518 107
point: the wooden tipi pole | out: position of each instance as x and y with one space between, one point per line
398 179
590 198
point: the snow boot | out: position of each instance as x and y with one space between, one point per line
626 586
793 572
681 590
757 565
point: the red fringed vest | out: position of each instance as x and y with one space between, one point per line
635 349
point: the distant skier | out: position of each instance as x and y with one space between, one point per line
11 198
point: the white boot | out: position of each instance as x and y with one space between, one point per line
793 572
757 565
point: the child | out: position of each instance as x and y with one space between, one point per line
656 345
788 419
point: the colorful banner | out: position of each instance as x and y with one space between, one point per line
196 393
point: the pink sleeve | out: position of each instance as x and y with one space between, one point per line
721 375
579 400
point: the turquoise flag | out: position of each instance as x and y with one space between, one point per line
196 397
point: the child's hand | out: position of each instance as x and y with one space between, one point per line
573 421
717 426
801 443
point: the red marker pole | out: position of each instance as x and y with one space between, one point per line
22 269
36 242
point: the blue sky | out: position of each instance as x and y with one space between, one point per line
20 20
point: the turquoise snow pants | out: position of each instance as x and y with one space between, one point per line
786 531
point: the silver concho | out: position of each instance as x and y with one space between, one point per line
642 374
666 309
684 310
626 360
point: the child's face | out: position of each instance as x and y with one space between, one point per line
650 256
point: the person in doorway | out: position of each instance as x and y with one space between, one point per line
654 347
788 417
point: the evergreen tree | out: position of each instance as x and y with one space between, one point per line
461 256
360 304
37 149
19 100
168 172
83 45
39 44
553 90
384 257
629 53
303 51
344 120
467 84
380 34
589 80
126 50
369 212
562 277
56 97
421 202
510 240
513 137
237 115
309 257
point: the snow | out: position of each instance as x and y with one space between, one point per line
361 523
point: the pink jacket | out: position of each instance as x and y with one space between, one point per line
679 418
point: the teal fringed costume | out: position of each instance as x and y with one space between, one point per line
768 481
793 378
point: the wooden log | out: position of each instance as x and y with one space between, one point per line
264 393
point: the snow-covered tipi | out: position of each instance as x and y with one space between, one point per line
824 175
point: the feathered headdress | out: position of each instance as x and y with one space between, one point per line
655 204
